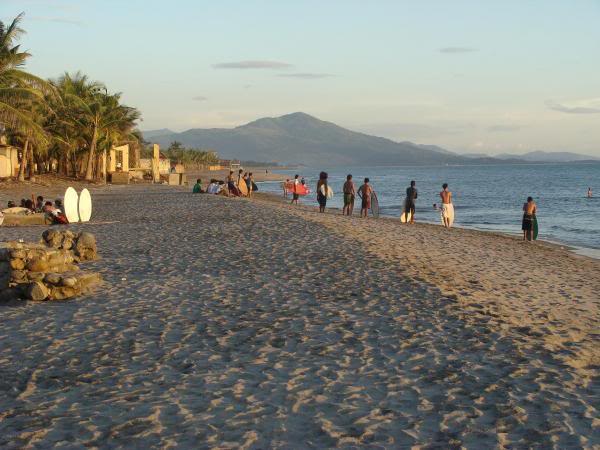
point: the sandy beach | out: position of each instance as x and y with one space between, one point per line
229 323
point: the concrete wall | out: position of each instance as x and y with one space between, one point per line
9 161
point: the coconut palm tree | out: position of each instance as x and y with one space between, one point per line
18 87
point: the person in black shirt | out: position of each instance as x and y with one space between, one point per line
409 206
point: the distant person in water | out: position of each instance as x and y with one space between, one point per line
322 197
295 195
589 192
364 192
529 212
285 185
198 187
410 203
349 196
446 197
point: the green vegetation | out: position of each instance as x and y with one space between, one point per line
189 157
65 125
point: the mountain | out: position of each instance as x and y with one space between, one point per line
299 138
150 134
557 157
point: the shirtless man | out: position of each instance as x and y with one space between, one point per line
446 197
364 192
529 212
409 206
349 196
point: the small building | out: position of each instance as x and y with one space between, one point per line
9 159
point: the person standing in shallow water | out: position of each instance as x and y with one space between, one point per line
529 212
411 197
322 198
589 192
364 192
349 196
446 197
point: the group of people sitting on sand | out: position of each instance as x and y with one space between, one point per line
241 186
53 211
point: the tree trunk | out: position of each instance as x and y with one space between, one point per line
30 164
23 164
89 172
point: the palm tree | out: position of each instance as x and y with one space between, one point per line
18 87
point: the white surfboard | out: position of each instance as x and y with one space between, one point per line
71 204
85 206
329 193
450 214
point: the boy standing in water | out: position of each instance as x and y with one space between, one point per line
529 212
446 197
364 192
349 196
411 196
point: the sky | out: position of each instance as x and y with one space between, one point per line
470 76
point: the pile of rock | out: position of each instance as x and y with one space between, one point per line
48 271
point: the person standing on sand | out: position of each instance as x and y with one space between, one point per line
446 197
364 192
322 198
409 205
529 212
349 196
231 189
296 196
589 192
250 184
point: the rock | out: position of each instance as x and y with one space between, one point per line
4 267
17 264
35 276
87 240
67 244
18 254
37 291
53 238
63 292
53 278
38 265
18 276
69 281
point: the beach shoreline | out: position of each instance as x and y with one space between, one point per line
254 323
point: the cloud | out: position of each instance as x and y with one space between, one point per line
306 75
503 128
63 20
581 107
457 50
272 65
199 98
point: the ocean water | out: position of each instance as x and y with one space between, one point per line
485 197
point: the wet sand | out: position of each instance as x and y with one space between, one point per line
228 323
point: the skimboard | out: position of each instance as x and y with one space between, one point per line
328 193
71 204
450 214
535 228
301 189
243 187
374 205
85 206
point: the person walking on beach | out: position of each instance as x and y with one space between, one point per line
364 192
285 185
529 212
446 197
349 196
409 205
589 192
322 189
295 195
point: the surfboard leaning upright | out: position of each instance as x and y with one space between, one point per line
71 204
374 205
85 206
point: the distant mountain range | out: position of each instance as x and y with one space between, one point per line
299 138
539 156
